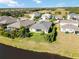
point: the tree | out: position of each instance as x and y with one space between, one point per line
53 19
4 33
65 17
5 14
23 32
12 34
36 18
52 36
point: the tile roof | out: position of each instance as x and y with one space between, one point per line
69 26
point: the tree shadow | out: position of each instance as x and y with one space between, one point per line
55 37
8 52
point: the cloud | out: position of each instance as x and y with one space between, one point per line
66 5
15 5
5 2
37 1
60 5
11 3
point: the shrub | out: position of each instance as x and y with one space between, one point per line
6 34
22 32
66 32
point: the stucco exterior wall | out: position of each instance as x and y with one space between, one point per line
67 30
34 30
61 24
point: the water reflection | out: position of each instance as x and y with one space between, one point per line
7 52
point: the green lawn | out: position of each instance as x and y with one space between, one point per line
38 37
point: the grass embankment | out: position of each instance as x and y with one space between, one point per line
66 44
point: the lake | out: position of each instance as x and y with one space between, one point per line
8 52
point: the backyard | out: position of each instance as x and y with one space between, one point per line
65 45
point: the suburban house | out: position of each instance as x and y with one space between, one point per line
70 26
35 14
42 26
7 20
73 16
46 17
59 17
72 22
19 23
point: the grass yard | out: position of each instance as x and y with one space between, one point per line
65 45
38 37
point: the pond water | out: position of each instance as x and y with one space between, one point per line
8 52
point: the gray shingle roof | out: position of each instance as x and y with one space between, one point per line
69 21
7 19
20 23
69 26
72 14
42 25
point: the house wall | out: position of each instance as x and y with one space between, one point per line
46 16
68 17
43 18
71 17
61 24
46 32
34 30
67 30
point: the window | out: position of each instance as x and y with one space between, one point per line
76 32
38 29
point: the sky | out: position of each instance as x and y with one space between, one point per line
38 3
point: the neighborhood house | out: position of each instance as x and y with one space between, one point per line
35 14
73 16
58 17
45 17
19 23
42 26
69 26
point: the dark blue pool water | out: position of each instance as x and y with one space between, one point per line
8 52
